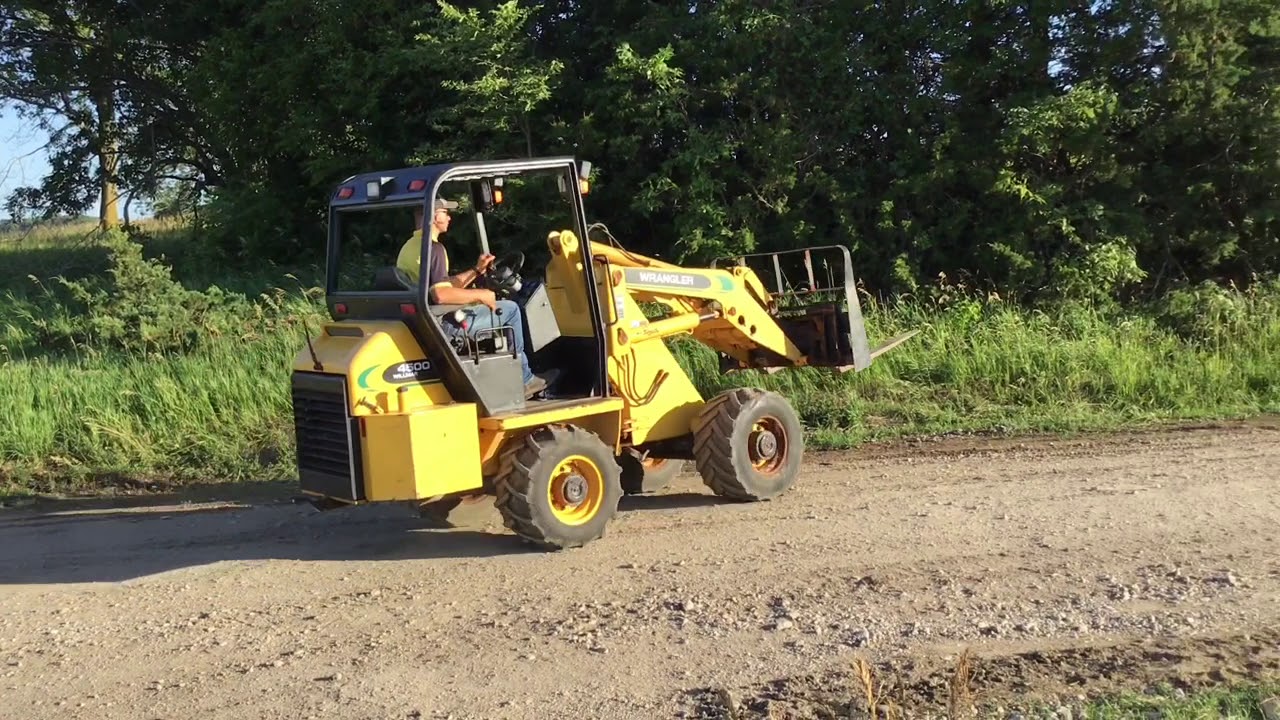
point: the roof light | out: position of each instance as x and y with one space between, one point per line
408 308
373 188
417 185
346 192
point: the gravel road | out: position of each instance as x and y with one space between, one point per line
1068 566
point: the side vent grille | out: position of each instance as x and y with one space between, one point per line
327 448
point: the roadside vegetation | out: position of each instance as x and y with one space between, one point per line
1234 702
140 357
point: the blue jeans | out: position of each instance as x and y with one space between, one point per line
483 319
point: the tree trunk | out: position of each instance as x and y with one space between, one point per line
109 209
108 159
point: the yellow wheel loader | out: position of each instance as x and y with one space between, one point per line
404 398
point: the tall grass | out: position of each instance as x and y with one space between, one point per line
989 366
221 412
79 403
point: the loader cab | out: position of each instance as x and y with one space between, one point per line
506 209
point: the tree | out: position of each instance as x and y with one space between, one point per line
1211 150
108 80
57 62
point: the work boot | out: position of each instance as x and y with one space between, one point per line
550 377
534 386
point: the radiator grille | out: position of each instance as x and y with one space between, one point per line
327 450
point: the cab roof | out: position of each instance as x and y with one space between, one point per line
414 183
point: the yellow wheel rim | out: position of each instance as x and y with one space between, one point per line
767 445
576 490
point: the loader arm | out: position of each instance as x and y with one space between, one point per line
732 311
727 310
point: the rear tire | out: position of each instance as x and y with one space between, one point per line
748 444
558 487
647 476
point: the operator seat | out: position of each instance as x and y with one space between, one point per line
391 278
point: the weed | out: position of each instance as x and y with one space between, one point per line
874 695
960 691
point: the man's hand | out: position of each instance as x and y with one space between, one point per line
482 265
488 298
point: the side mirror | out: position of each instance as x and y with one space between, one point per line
484 195
584 180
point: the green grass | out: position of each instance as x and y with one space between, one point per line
1233 701
1229 703
204 394
217 412
82 413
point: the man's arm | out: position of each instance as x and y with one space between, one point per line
450 295
467 277
447 290
464 278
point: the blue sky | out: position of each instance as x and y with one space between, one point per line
22 162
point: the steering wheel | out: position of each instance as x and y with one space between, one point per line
503 277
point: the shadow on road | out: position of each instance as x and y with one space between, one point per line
122 545
97 543
672 501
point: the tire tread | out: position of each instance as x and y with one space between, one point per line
516 486
714 451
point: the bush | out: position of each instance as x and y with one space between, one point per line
1208 313
136 308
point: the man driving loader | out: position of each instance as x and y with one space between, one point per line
446 289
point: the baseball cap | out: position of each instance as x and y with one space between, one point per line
442 204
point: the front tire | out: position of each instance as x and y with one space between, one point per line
748 444
558 487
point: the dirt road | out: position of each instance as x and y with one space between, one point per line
1069 566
